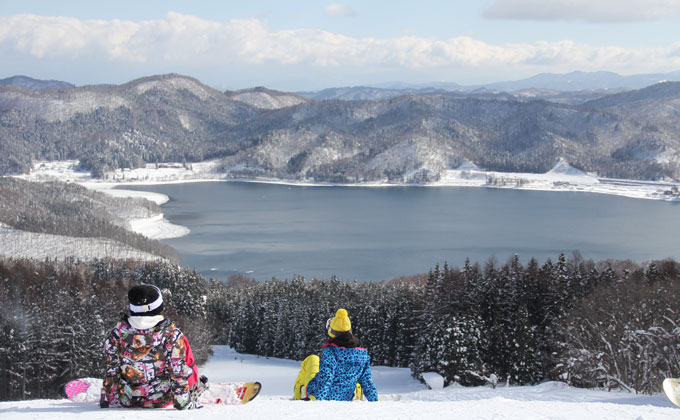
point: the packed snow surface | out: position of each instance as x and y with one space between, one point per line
401 398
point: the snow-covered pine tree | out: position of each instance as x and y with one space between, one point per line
472 288
624 334
455 348
425 320
273 317
299 311
524 352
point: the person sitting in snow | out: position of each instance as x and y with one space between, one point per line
344 370
149 361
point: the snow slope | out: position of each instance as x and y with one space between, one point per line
550 400
22 244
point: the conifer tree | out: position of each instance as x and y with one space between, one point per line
524 352
455 350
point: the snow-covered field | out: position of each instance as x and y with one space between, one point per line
401 398
21 244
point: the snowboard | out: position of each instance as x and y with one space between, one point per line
229 393
226 393
671 387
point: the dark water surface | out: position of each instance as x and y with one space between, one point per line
373 234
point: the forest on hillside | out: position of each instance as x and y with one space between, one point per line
610 324
67 209
174 118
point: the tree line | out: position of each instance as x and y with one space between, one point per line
609 324
56 314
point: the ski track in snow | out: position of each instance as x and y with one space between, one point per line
547 401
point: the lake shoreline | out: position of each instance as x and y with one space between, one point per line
265 230
562 178
243 244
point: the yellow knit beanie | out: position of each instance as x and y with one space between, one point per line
340 323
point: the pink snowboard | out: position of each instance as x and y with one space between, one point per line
74 388
83 390
226 393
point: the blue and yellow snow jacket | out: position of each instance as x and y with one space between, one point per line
340 369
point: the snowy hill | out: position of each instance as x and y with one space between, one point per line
265 98
63 219
409 138
563 168
26 82
22 244
402 398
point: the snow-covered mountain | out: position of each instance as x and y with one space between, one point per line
395 139
264 98
581 80
410 138
573 87
565 82
26 82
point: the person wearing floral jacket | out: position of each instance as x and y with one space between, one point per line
149 362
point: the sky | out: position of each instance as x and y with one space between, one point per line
297 45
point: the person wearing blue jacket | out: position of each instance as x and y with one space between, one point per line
341 367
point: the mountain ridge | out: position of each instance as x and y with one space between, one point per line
26 82
562 82
413 137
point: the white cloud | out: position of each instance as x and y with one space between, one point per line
182 40
585 10
339 10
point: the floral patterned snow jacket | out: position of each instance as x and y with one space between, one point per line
147 368
340 369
